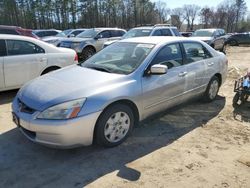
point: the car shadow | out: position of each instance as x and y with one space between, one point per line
7 96
25 164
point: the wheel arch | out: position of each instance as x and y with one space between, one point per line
219 76
50 68
89 46
127 102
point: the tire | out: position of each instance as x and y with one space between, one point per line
114 125
239 99
212 89
236 99
233 42
225 48
86 53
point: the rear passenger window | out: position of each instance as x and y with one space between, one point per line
169 55
16 47
166 32
195 52
104 34
176 32
2 48
77 32
117 33
157 33
51 33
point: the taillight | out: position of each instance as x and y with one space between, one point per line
76 57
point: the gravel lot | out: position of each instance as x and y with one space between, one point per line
193 145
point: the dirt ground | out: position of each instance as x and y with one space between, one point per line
194 145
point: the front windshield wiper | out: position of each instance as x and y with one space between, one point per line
99 68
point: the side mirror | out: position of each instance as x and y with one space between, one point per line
71 35
158 69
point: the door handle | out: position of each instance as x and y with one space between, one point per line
182 74
210 64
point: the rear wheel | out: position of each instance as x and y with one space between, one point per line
114 125
233 42
86 53
212 89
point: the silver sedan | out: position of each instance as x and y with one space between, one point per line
102 99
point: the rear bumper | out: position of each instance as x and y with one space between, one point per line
58 133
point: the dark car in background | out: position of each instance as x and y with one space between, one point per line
91 41
186 34
46 32
14 30
238 39
64 34
214 37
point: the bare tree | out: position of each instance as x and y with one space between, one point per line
190 14
241 10
177 17
163 11
206 16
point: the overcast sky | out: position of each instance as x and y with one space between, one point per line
179 3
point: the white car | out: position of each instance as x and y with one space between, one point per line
25 58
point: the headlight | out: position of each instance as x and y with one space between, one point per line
65 110
52 41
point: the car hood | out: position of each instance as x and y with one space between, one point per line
110 42
51 38
67 84
76 39
203 38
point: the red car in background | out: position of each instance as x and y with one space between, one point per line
15 30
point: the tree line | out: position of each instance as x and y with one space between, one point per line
63 14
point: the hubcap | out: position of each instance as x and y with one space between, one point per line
213 90
117 126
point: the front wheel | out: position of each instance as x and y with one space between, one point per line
212 89
114 125
86 53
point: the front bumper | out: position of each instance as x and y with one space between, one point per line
57 133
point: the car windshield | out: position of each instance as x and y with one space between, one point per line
119 58
137 33
203 33
64 33
89 33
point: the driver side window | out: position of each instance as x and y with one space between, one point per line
169 55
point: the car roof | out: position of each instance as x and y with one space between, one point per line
20 37
211 29
42 30
14 27
106 28
157 39
159 26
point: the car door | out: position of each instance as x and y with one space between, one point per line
2 54
248 38
219 39
102 37
161 91
24 61
195 56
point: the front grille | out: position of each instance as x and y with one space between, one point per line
24 108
